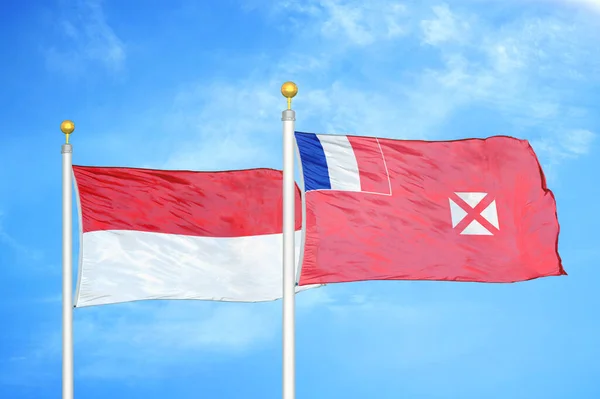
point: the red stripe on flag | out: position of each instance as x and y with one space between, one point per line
211 204
371 165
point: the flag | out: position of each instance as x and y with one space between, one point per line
158 234
468 210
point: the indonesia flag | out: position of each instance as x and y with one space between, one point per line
157 234
468 210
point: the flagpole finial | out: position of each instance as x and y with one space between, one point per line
67 127
289 90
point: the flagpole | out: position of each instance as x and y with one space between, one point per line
288 117
67 127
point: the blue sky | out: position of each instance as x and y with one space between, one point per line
195 85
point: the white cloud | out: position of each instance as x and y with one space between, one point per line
586 5
592 5
577 142
22 251
241 128
231 124
313 299
351 22
88 38
393 336
521 71
363 23
143 339
446 27
518 71
559 146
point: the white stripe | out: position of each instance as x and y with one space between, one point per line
122 266
341 162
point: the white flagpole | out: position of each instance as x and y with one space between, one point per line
289 90
67 127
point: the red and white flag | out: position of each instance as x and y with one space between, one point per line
467 210
158 234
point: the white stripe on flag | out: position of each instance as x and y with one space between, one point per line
341 162
124 265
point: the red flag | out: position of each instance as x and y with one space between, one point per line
468 210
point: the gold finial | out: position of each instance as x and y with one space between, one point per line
289 90
67 127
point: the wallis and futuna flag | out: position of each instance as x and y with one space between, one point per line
468 210
159 234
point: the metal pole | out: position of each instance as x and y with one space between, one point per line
288 117
67 127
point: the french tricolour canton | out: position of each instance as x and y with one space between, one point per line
343 163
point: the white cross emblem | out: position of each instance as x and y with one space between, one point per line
474 214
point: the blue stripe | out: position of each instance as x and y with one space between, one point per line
314 163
